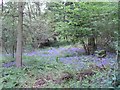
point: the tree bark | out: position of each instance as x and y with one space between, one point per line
117 82
118 52
38 8
92 44
85 46
118 71
2 6
19 35
14 42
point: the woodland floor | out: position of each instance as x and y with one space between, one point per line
68 55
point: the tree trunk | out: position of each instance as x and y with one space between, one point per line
117 82
19 35
2 6
13 51
86 48
118 71
13 45
118 52
64 12
92 44
38 8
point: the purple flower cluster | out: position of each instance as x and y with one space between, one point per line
75 58
53 52
73 49
9 64
69 58
31 53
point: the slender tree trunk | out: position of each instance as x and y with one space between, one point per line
13 51
38 10
6 50
92 44
2 6
117 82
19 35
118 71
118 52
85 46
64 12
32 12
30 27
13 45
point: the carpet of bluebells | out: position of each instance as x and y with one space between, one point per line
51 62
70 55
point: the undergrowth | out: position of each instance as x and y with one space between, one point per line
43 73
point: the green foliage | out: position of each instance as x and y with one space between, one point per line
9 26
38 67
78 20
73 21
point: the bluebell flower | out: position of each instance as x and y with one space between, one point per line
9 64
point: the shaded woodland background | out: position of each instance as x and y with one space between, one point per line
43 36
